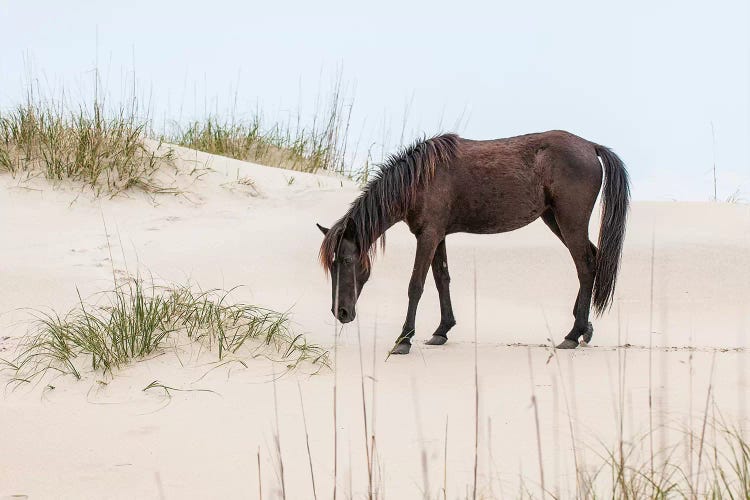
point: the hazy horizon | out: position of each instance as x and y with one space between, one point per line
646 80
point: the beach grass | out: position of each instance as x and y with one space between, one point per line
319 145
248 142
136 320
629 475
116 150
105 151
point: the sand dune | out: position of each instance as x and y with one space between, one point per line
106 438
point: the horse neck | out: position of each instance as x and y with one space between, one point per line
391 220
387 219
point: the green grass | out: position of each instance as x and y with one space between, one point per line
107 151
691 468
247 142
278 146
322 145
104 151
138 321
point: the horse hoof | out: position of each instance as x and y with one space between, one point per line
568 344
401 349
588 333
437 340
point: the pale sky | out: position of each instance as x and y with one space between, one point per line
646 78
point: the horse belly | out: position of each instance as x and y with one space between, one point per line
497 203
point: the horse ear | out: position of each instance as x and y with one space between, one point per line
323 230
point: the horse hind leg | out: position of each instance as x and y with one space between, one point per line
589 333
583 253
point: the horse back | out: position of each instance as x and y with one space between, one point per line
496 186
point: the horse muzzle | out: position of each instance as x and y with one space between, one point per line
345 315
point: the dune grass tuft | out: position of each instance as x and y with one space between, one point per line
115 150
319 146
629 475
247 142
103 151
137 321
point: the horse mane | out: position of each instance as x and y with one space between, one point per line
388 196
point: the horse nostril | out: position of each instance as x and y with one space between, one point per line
343 313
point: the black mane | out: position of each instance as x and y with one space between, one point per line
389 195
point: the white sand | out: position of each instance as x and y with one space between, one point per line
85 439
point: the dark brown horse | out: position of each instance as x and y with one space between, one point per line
447 184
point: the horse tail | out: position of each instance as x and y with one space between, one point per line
615 201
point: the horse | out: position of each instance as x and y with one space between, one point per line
447 184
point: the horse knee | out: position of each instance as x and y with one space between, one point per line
415 290
586 267
591 261
442 276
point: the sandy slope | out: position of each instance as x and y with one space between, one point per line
92 440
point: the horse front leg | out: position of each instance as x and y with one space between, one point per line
442 282
427 242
